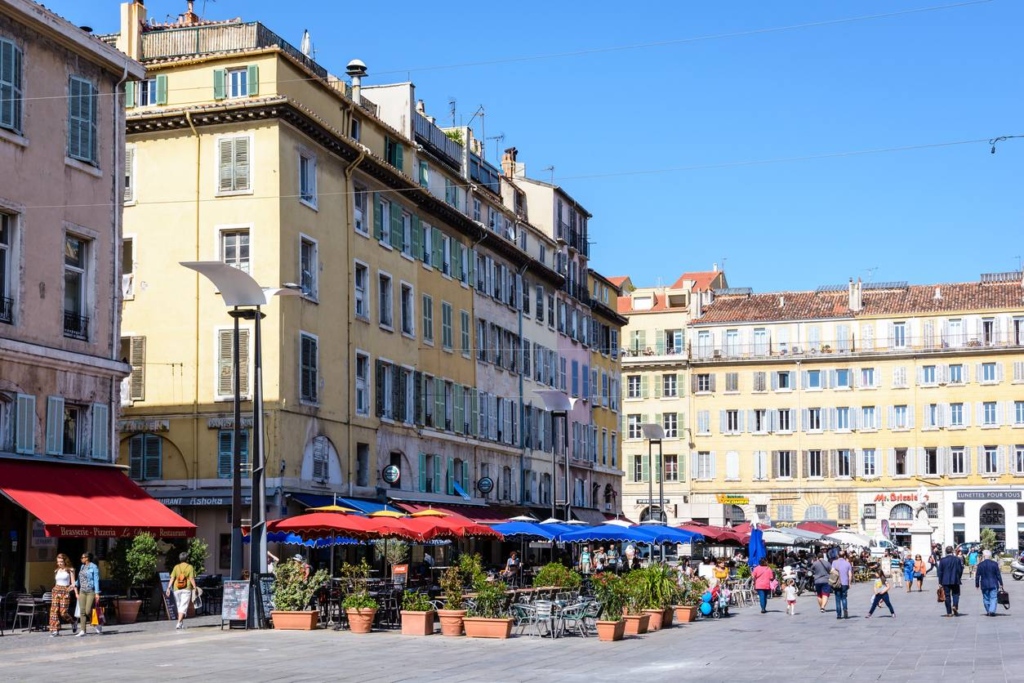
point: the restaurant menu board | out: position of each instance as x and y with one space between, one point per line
170 606
234 606
264 598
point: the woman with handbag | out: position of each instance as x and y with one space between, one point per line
881 595
919 571
63 580
763 577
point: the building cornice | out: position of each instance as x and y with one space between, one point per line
61 359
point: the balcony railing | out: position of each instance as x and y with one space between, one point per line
6 310
845 347
577 291
440 144
578 241
76 326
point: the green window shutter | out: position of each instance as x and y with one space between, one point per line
378 216
398 156
129 94
457 258
643 386
423 472
219 87
437 248
460 419
152 457
437 474
645 468
471 261
474 412
417 238
224 454
449 480
465 476
396 226
424 174
658 384
100 431
253 80
55 426
438 404
161 89
659 342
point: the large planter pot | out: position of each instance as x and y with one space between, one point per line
656 615
451 621
482 627
611 630
666 621
361 620
686 613
417 623
294 621
128 611
637 624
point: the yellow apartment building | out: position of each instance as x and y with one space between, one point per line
858 403
654 391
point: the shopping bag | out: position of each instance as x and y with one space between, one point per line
1003 598
97 617
78 610
940 594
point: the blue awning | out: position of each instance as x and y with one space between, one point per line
314 500
461 491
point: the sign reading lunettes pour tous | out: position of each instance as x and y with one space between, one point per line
391 474
988 495
485 485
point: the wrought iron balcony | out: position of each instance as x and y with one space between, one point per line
6 310
76 326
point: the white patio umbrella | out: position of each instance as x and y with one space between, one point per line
623 522
776 537
848 538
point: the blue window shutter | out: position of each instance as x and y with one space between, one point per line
135 456
378 216
219 89
55 425
161 89
417 238
449 479
224 448
397 235
437 474
422 472
129 94
253 80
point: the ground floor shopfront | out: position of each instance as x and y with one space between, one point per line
969 511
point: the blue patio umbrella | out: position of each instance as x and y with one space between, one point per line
290 538
524 530
667 534
609 533
755 548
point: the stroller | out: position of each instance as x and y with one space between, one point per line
720 602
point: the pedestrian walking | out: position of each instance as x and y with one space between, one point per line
989 580
896 569
88 592
972 560
950 572
63 584
842 567
819 571
881 595
763 577
908 571
183 582
790 593
919 572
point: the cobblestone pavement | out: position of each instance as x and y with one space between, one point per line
917 645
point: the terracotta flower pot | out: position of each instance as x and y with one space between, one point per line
128 611
666 621
686 613
294 621
656 615
361 620
451 621
482 627
417 623
611 630
637 623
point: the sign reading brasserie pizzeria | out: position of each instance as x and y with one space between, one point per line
988 495
728 499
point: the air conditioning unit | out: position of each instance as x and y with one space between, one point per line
607 507
797 349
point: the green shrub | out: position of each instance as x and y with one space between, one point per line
610 591
292 590
557 575
490 600
133 563
451 588
414 601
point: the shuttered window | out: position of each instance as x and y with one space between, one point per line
54 425
321 452
83 105
100 431
225 363
225 451
129 174
234 165
25 424
10 86
308 379
145 457
137 359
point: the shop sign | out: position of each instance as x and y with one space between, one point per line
485 485
727 499
899 523
988 495
652 501
896 498
391 474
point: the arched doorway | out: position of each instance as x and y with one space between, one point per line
653 513
900 517
736 515
815 512
992 516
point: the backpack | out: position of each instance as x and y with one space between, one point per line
181 580
834 580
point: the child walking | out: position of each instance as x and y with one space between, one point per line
790 597
881 595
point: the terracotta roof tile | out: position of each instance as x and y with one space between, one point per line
701 280
618 280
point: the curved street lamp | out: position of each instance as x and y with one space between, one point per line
559 403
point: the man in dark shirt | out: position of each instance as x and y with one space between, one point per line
989 580
950 572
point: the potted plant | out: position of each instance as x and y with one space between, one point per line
360 607
133 565
636 621
610 591
293 591
689 597
557 575
417 614
647 584
486 618
453 613
390 551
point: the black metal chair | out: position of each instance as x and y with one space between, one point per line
26 611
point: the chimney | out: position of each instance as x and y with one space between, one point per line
133 16
714 267
421 108
508 162
189 18
938 294
856 303
782 302
355 70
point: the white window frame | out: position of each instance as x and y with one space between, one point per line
221 231
385 299
359 213
309 281
407 309
307 170
83 271
362 383
361 295
234 87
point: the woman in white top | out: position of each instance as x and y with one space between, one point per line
63 580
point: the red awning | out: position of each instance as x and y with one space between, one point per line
88 501
478 513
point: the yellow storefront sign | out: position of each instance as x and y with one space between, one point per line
726 499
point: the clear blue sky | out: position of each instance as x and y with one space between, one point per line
702 107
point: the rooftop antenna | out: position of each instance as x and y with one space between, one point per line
1019 268
871 272
483 134
498 139
451 109
552 169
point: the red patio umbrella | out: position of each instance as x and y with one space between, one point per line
316 524
718 534
818 527
448 526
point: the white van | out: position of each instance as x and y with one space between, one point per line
880 546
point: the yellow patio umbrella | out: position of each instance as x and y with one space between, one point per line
430 512
386 513
332 508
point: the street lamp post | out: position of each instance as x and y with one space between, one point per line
240 291
654 432
558 403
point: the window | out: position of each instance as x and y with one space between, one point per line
76 323
932 416
704 382
931 461
732 381
990 460
732 422
6 301
225 362
842 419
813 379
428 319
424 176
359 209
815 465
844 458
670 422
633 427
783 381
384 306
814 422
956 374
362 282
233 165
451 193
129 174
362 464
393 152
759 381
842 379
225 452
321 458
385 394
1018 466
928 375
406 311
900 463
355 132
958 509
785 420
64 427
703 422
867 378
11 75
82 119
784 465
307 179
446 325
446 254
868 418
234 248
705 465
760 466
760 425
1018 413
669 385
671 467
407 235
957 460
899 335
362 384
308 267
145 456
633 385
899 377
989 373
870 462
639 468
956 415
465 342
843 511
238 83
308 363
990 416
899 418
